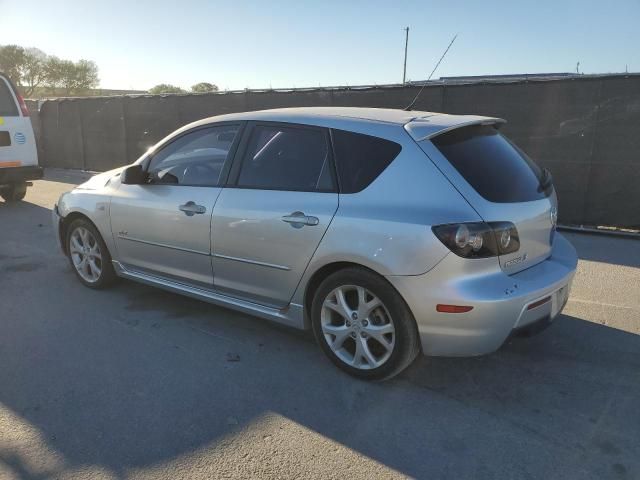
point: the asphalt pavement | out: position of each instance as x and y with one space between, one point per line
134 382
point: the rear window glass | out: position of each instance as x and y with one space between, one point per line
360 159
8 107
493 166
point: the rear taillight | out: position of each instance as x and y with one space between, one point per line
23 105
479 240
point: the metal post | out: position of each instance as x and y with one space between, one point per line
406 44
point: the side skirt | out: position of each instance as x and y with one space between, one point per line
292 315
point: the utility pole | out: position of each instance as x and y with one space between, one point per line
406 44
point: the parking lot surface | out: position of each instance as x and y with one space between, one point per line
134 382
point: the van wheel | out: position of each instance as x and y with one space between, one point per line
363 325
88 255
14 192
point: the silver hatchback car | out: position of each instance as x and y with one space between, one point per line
387 232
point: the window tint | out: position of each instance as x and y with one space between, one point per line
196 158
285 158
360 159
8 107
492 165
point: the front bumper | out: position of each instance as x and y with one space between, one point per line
500 302
20 174
56 220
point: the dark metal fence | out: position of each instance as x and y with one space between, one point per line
585 130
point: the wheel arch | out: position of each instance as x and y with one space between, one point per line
67 221
321 274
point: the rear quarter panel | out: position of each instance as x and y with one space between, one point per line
387 226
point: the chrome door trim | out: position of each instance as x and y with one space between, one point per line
252 262
172 247
291 315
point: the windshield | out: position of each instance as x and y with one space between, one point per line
8 107
493 166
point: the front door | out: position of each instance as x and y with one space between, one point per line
163 226
268 223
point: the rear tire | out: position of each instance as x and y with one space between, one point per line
88 255
363 324
13 192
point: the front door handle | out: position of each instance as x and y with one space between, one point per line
299 220
190 209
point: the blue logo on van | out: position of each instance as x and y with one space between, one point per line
20 138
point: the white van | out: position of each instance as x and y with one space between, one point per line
18 152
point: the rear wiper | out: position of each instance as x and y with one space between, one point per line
546 180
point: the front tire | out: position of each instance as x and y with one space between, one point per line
363 324
88 255
13 192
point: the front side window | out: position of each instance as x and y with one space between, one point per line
8 107
287 158
195 159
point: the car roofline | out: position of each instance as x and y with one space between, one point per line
420 125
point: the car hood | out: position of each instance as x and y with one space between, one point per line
101 180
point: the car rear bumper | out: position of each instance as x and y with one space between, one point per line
501 303
20 174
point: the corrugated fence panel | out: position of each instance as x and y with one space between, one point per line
585 130
613 192
103 133
552 121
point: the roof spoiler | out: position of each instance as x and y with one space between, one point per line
425 128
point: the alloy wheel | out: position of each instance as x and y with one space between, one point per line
357 327
85 254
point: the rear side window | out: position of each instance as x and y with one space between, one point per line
8 107
360 159
498 170
286 158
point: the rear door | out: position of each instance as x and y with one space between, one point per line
502 184
17 142
269 221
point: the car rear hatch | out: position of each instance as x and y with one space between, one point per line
500 182
17 142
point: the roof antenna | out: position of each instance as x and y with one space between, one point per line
410 106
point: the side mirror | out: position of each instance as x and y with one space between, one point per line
133 175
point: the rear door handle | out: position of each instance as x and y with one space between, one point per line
190 209
299 220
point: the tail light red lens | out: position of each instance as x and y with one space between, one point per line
479 240
23 105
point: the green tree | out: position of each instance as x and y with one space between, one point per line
11 61
84 76
204 87
54 73
33 71
165 88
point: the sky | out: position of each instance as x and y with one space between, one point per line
279 44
